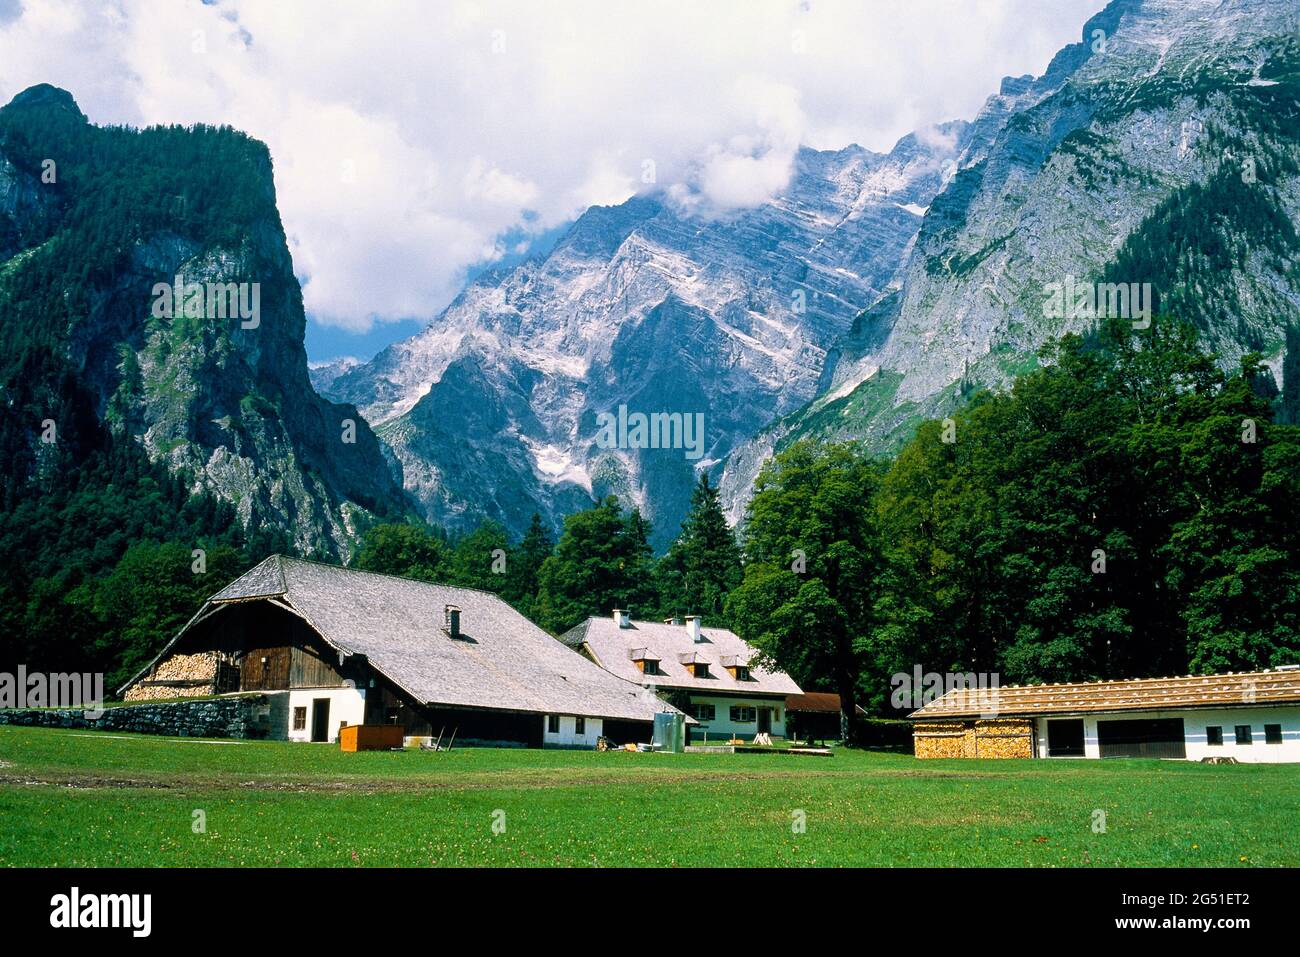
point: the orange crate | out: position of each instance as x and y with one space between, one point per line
371 737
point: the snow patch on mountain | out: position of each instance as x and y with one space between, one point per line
492 408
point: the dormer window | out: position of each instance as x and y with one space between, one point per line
647 662
695 664
737 667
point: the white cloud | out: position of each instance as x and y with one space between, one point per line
409 136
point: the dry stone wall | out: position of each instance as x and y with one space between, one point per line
236 716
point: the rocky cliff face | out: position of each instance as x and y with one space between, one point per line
494 410
1161 150
222 397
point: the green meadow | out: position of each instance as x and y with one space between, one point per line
89 799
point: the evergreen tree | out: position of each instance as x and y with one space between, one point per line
524 571
1126 511
813 561
703 565
602 562
480 559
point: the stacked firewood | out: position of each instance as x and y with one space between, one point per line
180 676
1004 738
986 738
943 739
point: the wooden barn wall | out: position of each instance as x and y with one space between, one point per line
244 634
310 668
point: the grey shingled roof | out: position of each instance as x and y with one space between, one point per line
506 662
612 648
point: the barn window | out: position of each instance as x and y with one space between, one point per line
579 725
1214 734
300 719
651 667
742 673
743 714
553 724
1243 734
1272 734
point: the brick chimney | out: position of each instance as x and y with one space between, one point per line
451 620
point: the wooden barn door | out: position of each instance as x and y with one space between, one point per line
1142 738
264 669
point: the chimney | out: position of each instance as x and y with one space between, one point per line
451 620
675 620
693 628
622 618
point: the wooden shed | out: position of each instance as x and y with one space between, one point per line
1248 717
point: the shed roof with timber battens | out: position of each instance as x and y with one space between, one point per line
1235 689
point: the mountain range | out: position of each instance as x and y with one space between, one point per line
874 290
1163 148
493 409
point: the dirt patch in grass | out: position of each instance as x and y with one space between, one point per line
538 779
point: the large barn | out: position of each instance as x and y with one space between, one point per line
1249 717
338 646
712 670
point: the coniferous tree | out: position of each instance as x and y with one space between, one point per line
703 565
600 563
523 573
814 560
480 559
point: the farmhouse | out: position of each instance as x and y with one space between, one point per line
708 671
1250 717
343 647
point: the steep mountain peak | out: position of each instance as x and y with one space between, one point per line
207 373
649 306
1160 153
46 98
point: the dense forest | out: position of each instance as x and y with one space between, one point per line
1127 509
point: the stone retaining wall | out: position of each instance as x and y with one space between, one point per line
235 716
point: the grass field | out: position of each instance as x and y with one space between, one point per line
84 799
